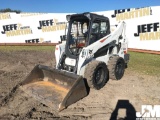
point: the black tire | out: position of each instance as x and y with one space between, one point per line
96 73
116 67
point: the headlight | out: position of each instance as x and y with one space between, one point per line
68 17
83 53
88 15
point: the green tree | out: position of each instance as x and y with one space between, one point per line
9 10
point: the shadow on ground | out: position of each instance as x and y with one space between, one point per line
127 107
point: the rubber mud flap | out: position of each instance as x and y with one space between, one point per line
54 88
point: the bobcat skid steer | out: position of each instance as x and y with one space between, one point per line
88 55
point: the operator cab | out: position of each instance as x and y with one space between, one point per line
77 33
83 30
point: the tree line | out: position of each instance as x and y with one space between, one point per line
9 10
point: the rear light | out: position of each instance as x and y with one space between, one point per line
102 40
56 48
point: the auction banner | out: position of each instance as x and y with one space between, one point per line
33 29
142 26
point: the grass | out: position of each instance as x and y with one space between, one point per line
139 62
20 48
145 63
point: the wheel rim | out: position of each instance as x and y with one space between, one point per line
99 75
119 69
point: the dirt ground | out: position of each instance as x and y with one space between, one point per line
118 99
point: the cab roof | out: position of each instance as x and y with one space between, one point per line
90 16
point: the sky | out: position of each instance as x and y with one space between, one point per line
74 6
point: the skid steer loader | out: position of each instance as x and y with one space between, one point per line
88 55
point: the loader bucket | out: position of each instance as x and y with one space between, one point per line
54 88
